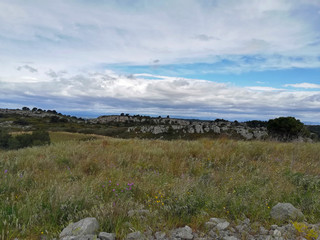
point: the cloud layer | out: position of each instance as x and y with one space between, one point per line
109 92
281 33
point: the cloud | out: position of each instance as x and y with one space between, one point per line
108 92
259 88
54 74
81 33
204 37
27 67
304 85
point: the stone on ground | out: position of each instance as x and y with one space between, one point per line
106 236
85 226
286 212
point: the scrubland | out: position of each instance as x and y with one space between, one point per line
180 182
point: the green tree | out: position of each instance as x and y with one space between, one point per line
287 127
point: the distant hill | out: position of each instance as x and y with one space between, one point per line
127 126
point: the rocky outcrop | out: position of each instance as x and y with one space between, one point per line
239 130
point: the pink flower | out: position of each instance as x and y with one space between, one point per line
113 189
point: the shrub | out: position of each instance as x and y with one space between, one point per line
23 140
287 127
4 139
40 138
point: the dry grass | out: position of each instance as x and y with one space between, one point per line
181 182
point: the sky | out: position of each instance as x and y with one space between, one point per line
206 59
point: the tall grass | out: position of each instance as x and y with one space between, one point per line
181 182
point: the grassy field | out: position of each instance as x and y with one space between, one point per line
181 182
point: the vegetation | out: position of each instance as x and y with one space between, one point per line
287 128
256 123
181 182
37 138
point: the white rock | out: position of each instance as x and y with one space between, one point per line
286 212
222 226
85 226
106 236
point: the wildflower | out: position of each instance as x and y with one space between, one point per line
5 171
113 190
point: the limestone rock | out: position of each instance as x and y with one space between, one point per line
85 226
286 212
222 226
184 233
160 235
81 237
106 236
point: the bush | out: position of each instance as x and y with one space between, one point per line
37 138
40 138
287 128
256 123
21 122
4 139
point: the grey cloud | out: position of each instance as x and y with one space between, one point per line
78 32
165 95
205 37
27 67
54 74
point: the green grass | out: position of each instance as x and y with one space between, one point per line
180 182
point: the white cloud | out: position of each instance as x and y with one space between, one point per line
82 33
304 85
112 93
259 88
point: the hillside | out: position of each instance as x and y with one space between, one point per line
126 126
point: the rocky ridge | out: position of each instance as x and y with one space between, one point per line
168 125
